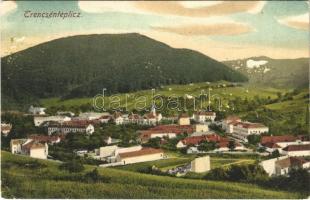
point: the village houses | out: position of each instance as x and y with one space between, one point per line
71 127
272 143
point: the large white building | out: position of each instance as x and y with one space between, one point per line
242 130
143 155
92 115
39 120
71 127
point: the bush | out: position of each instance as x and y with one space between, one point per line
72 166
242 173
95 177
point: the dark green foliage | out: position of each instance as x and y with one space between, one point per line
297 180
95 177
153 142
207 146
231 145
243 173
83 65
254 139
72 166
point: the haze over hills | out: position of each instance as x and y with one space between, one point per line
83 65
293 73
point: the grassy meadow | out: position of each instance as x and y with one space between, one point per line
195 89
47 181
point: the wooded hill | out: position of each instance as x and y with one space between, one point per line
83 65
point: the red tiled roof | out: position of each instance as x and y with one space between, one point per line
271 145
142 152
276 139
33 145
44 138
224 144
105 117
304 147
291 162
194 140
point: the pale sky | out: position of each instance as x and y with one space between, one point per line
220 29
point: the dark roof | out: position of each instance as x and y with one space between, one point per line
276 139
183 115
304 147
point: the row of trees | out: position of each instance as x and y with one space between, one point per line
297 179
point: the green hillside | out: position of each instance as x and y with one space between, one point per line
274 72
23 177
81 66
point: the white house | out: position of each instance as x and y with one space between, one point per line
201 128
29 147
203 116
270 165
184 119
227 123
142 155
297 150
16 145
118 118
282 165
37 110
39 120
